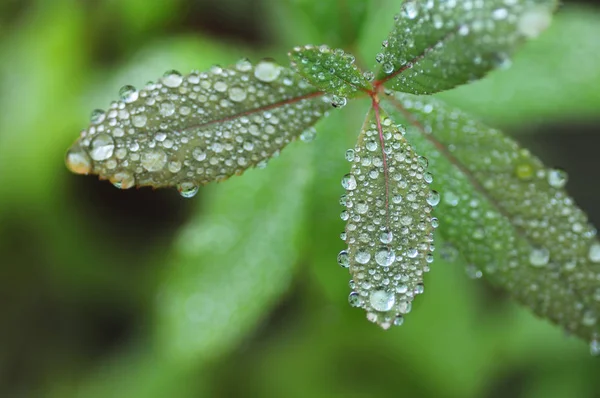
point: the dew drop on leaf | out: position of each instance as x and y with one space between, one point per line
102 147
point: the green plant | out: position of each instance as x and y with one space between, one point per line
500 209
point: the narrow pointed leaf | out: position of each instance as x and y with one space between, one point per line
389 229
509 215
437 45
332 71
190 130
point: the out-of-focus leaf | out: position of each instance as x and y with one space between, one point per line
508 214
389 224
550 79
437 45
337 22
189 130
332 71
234 259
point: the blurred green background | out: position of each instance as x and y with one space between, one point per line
236 293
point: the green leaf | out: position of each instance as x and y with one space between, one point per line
438 45
232 261
190 130
548 80
509 215
389 230
332 71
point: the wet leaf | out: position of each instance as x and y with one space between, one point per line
389 230
187 131
508 215
332 71
437 45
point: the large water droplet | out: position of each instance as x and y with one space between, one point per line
78 161
187 189
434 198
354 299
172 79
128 94
362 256
343 259
534 22
594 252
557 178
349 182
102 147
381 300
123 180
385 257
539 257
154 160
267 71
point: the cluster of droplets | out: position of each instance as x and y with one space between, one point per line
440 44
510 217
186 131
330 70
389 230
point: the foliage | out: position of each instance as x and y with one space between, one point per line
193 293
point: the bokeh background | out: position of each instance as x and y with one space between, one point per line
236 293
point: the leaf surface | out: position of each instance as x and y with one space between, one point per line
508 214
332 71
190 130
389 223
437 45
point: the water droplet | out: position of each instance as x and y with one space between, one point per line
370 76
343 259
354 299
154 160
167 109
362 207
123 180
350 155
524 171
172 79
500 13
97 116
308 135
128 94
187 189
139 120
473 272
534 22
539 257
386 237
434 198
362 256
381 300
267 71
557 178
349 182
385 257
237 94
199 154
594 252
102 147
451 199
78 161
243 65
338 101
589 318
411 10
